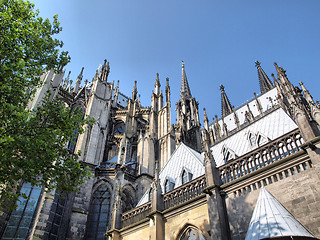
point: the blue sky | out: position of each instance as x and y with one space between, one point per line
219 42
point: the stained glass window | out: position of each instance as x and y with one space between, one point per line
21 218
98 218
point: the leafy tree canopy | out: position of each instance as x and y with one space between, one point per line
33 143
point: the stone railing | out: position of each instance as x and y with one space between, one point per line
185 192
136 214
261 157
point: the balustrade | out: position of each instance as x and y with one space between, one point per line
185 192
136 214
261 157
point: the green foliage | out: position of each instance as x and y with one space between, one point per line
33 143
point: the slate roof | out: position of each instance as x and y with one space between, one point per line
271 126
270 219
182 158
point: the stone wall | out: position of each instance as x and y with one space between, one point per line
298 193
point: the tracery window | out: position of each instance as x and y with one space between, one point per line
98 218
191 234
21 218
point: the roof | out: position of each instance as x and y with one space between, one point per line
271 126
270 219
183 157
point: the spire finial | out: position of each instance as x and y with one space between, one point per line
182 64
185 90
134 91
157 85
78 81
264 81
226 107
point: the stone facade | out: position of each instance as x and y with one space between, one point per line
129 145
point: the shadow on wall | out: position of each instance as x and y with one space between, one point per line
240 211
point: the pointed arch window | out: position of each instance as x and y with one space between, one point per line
185 176
168 185
228 154
20 221
98 219
72 143
191 233
261 139
252 139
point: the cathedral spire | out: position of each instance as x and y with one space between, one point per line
134 91
105 71
225 103
306 93
157 85
78 82
185 90
167 90
66 82
264 81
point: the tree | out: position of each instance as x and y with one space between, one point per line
33 143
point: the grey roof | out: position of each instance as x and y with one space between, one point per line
271 219
182 158
270 126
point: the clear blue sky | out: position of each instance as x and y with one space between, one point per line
219 42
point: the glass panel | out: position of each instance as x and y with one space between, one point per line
184 177
99 213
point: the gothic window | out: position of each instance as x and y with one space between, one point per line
252 139
20 220
59 201
127 200
119 128
168 185
191 234
73 141
261 139
186 176
98 218
228 154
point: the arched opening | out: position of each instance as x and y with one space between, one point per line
127 199
190 233
98 218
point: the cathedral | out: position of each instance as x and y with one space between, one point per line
252 173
